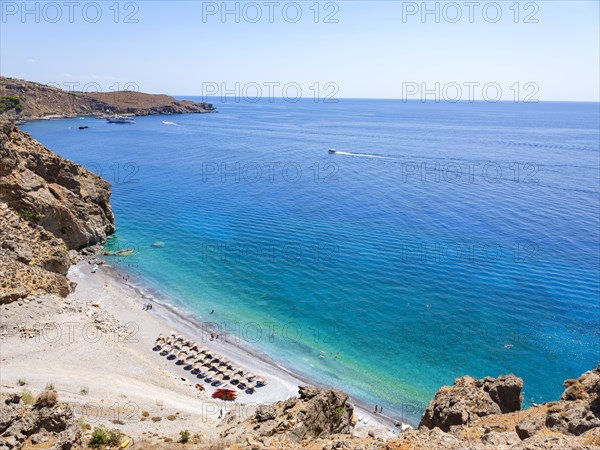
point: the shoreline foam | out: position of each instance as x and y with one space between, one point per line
283 382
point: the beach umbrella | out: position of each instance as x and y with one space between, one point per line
218 376
181 356
261 381
161 336
197 366
228 374
203 350
186 347
179 338
250 376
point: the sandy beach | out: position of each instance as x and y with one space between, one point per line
95 349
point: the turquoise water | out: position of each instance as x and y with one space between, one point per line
441 239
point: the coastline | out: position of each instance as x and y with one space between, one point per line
117 378
177 319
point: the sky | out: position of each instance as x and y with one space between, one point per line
506 50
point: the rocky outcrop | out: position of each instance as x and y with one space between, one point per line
316 413
48 206
33 100
47 424
469 399
578 410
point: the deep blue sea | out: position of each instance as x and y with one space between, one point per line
441 240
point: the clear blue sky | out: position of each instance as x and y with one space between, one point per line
370 52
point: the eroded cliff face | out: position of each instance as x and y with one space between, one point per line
48 206
475 414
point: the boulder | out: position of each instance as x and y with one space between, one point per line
317 413
469 399
578 411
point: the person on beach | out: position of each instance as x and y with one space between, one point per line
212 311
375 409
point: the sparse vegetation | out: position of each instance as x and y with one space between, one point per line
9 102
47 398
156 419
184 436
171 417
145 414
84 391
31 215
27 397
50 387
101 437
340 411
82 424
21 382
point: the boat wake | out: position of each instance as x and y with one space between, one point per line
362 155
166 122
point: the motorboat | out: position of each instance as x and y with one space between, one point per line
120 119
332 150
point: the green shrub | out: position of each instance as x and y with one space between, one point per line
114 437
99 437
21 382
49 387
340 411
10 102
184 436
31 215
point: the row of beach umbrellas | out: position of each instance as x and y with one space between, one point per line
202 359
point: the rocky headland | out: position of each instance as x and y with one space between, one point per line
25 100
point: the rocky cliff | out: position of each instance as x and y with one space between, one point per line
474 414
48 206
45 424
22 100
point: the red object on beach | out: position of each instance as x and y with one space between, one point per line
225 394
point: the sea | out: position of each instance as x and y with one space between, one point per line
439 240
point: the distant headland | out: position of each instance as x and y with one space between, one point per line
22 100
